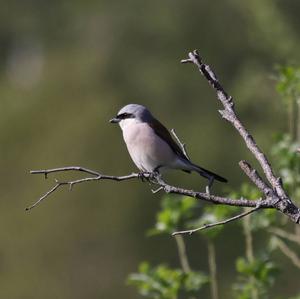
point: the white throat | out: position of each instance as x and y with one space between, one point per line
128 122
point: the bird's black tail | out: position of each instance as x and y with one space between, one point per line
208 174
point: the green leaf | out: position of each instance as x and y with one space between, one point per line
174 213
195 280
287 161
258 274
162 282
288 82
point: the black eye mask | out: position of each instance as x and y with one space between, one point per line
125 115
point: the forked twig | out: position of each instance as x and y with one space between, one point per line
98 176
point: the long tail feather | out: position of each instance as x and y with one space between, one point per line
208 174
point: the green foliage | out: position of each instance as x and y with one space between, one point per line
246 191
258 275
287 161
162 282
255 274
288 82
181 213
174 213
262 219
212 214
273 242
194 280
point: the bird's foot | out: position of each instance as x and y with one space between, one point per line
151 177
144 176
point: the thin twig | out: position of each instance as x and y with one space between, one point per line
284 234
154 191
59 184
43 197
212 269
210 225
182 145
249 251
182 254
64 169
255 178
248 237
288 252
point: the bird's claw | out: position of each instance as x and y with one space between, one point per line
144 176
149 176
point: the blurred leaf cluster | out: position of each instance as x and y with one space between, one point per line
174 213
287 161
258 275
212 214
288 83
162 282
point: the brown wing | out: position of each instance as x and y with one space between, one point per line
165 135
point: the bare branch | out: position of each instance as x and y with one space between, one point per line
43 197
283 202
210 225
230 115
64 169
153 179
242 202
255 178
185 265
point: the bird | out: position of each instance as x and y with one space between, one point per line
151 145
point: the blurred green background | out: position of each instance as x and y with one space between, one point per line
66 67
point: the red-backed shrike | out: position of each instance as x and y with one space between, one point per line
150 144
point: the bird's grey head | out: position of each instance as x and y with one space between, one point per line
132 112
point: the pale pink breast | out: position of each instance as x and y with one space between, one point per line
146 149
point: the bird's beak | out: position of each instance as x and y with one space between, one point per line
114 120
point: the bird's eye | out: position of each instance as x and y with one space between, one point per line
124 115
